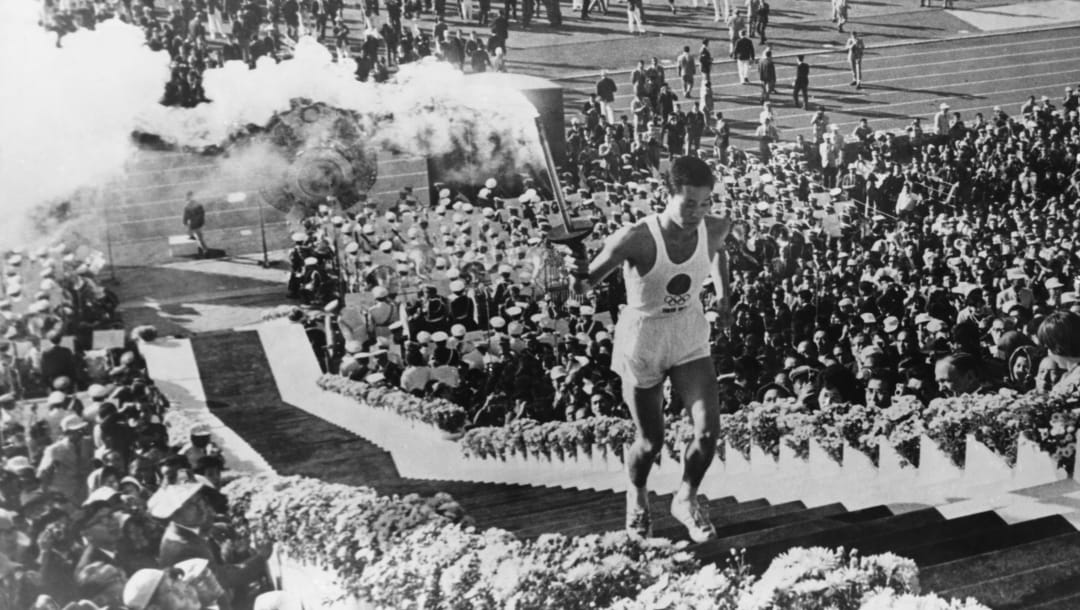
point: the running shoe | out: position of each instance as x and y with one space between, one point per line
697 523
638 520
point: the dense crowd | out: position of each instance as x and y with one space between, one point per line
98 510
93 499
52 303
864 266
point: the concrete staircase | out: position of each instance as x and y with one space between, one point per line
1009 549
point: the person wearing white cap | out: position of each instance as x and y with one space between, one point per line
662 333
66 463
197 574
150 589
444 361
586 323
462 308
498 323
188 511
382 312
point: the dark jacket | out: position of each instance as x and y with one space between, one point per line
605 89
57 361
744 49
767 70
802 73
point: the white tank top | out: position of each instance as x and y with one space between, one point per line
667 288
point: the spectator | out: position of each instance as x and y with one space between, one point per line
67 462
855 49
743 52
802 83
187 510
1060 335
767 75
194 219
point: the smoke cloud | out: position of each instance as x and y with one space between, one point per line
68 113
428 109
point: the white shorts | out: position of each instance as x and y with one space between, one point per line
646 348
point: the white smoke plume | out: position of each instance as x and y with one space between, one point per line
67 113
428 109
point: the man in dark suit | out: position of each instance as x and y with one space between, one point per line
500 31
188 511
802 82
56 360
194 219
767 75
100 528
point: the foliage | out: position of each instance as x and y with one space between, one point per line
429 411
553 440
411 552
828 578
735 429
761 420
902 426
339 528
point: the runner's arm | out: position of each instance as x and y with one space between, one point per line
615 251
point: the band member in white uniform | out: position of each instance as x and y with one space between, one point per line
663 333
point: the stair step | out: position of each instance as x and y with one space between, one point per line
526 519
995 566
1069 602
582 511
520 506
952 547
814 520
726 518
607 517
572 514
1023 589
614 518
807 514
891 541
759 556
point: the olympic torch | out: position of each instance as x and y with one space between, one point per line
573 231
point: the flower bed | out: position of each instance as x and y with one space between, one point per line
995 420
526 451
557 439
434 411
410 552
998 421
